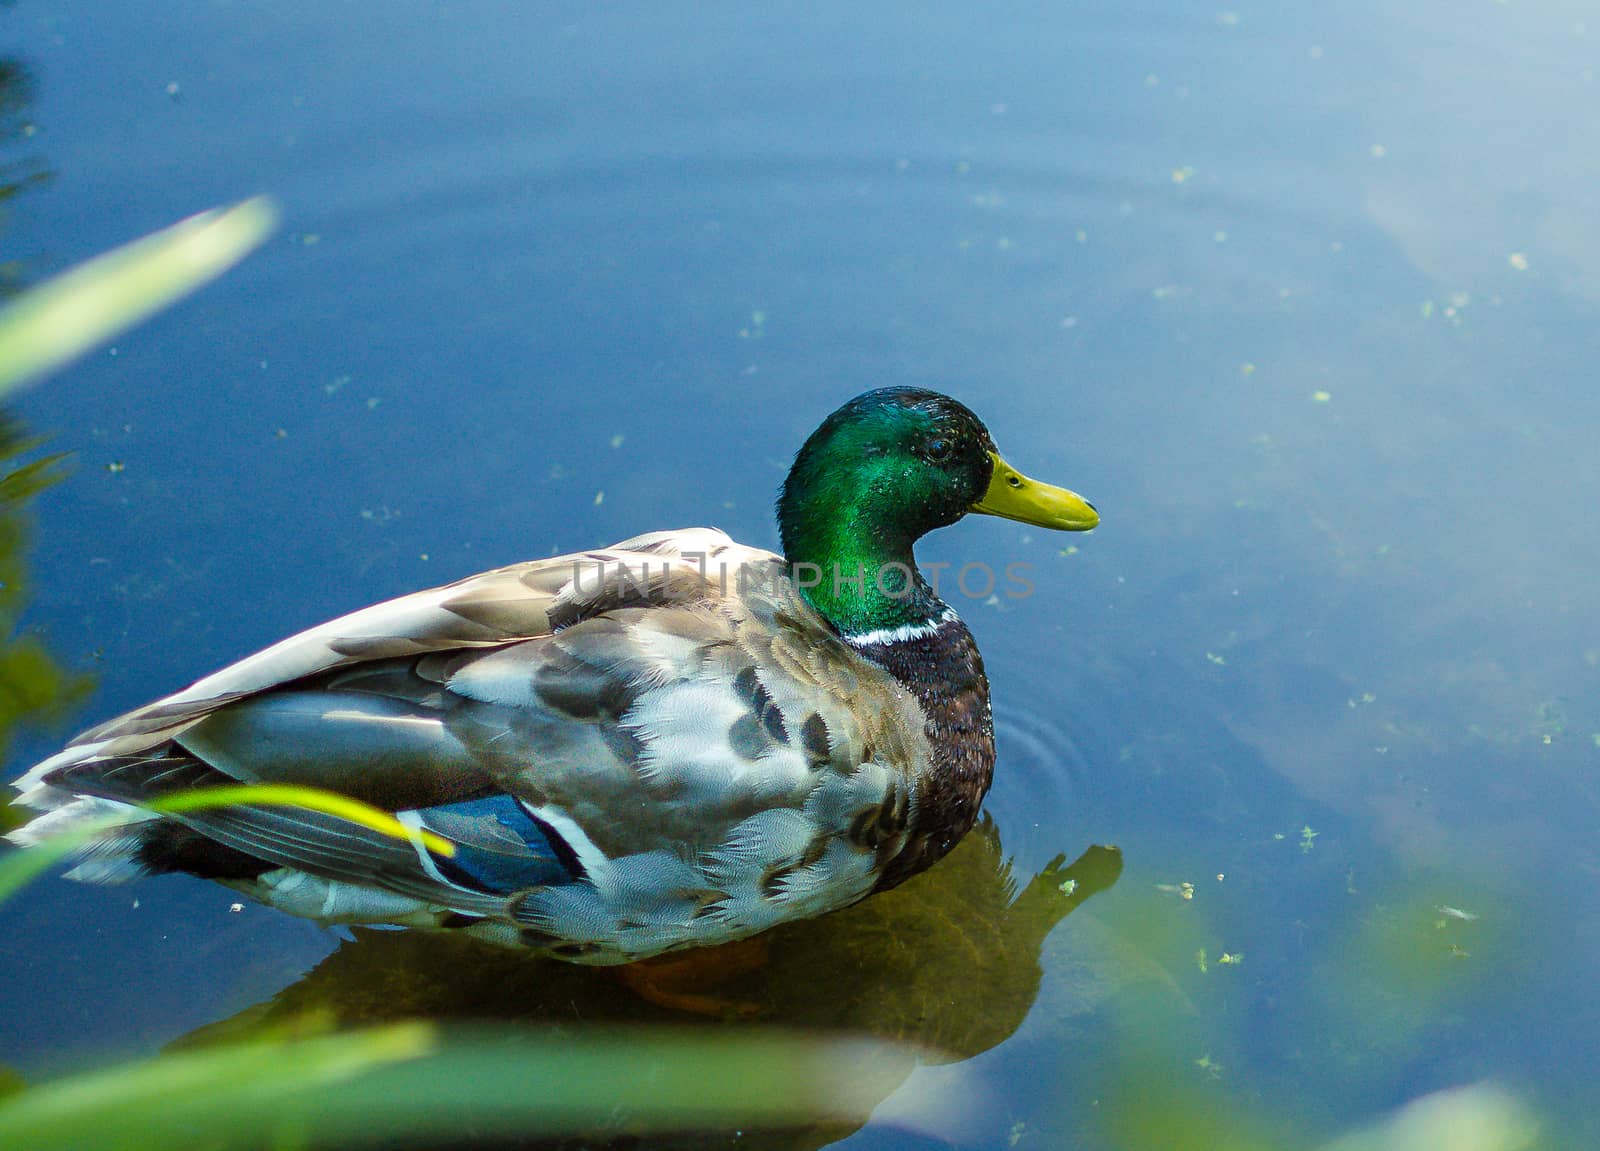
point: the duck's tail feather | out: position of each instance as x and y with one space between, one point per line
109 792
113 858
109 854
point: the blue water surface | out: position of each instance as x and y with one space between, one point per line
1303 297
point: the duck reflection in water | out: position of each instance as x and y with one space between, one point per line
947 964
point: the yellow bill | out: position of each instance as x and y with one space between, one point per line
1015 497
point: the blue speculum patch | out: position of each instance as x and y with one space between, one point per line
500 847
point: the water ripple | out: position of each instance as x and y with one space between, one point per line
1043 797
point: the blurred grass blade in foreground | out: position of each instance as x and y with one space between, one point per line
413 1082
52 324
179 1099
1476 1117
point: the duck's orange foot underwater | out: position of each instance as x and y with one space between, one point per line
687 981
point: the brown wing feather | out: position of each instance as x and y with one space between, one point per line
522 601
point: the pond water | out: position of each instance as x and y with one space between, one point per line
1304 298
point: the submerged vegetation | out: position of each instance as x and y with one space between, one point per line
34 688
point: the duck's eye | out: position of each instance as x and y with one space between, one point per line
939 450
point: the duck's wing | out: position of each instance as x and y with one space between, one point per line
519 602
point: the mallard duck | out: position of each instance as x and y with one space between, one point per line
674 742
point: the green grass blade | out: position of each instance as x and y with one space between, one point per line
57 321
369 1087
179 1100
315 799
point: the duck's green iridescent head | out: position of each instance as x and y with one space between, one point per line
883 470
